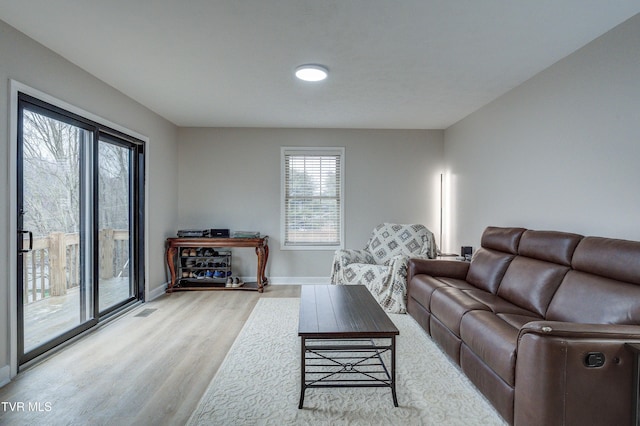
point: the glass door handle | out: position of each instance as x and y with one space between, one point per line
30 242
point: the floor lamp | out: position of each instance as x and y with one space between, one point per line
442 188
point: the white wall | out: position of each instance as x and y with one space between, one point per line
230 178
30 63
560 152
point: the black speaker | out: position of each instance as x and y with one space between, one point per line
218 233
465 251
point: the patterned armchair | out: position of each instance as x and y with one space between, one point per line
382 265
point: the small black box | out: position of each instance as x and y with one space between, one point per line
219 233
466 251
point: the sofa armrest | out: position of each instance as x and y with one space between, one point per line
437 268
568 373
343 258
581 331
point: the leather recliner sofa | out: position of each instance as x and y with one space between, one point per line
538 321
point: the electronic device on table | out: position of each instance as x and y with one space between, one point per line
203 233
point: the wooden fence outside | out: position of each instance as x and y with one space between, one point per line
53 266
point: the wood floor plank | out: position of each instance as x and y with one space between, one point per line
138 370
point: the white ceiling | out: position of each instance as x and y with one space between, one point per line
414 64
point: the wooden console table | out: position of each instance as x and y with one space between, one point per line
174 245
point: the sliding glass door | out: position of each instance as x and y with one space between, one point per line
79 225
115 222
56 289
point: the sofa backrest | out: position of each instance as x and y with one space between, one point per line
561 276
543 260
498 248
603 286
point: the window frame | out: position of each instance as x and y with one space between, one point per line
324 151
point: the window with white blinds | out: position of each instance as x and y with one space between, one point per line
312 198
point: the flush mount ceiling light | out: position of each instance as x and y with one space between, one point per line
312 72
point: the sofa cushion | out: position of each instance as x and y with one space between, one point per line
487 269
517 321
498 305
588 298
450 305
422 287
531 283
493 340
502 239
550 246
608 257
455 283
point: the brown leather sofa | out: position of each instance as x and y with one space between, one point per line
538 321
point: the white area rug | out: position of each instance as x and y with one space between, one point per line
258 383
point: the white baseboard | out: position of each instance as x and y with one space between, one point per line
296 280
5 375
159 291
156 292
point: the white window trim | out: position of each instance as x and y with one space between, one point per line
289 150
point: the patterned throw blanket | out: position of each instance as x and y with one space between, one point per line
382 265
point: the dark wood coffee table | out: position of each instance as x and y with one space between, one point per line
347 340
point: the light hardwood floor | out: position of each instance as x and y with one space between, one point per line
136 370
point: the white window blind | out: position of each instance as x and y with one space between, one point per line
312 198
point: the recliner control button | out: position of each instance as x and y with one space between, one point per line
594 359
